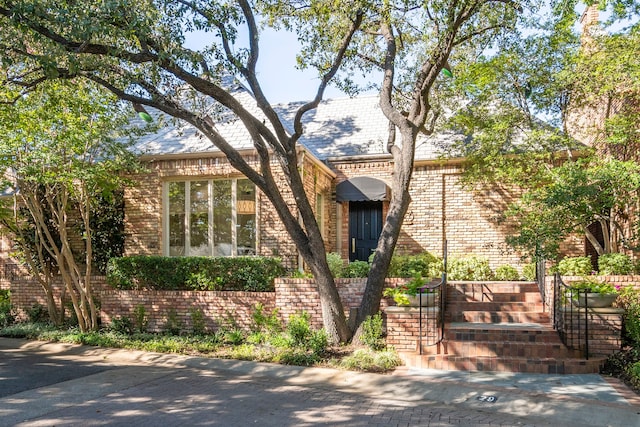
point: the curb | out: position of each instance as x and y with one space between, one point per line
552 408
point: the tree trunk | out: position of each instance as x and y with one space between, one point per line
403 169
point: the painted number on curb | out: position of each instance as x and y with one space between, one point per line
488 399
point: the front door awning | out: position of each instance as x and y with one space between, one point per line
362 189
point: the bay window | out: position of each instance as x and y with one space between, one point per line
214 217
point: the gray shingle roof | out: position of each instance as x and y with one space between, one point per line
341 127
346 127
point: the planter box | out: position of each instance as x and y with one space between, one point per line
594 300
428 300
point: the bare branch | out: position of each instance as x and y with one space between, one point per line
326 78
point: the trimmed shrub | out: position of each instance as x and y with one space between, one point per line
469 268
356 269
507 272
6 312
373 332
629 299
424 264
336 264
575 266
615 264
254 274
529 271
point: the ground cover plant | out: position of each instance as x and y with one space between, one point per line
626 363
267 340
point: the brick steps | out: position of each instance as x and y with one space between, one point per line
537 365
517 307
518 332
499 326
489 316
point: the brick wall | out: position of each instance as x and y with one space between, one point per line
403 328
605 324
26 292
144 207
605 329
441 209
219 308
295 295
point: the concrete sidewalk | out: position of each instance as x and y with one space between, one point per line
554 400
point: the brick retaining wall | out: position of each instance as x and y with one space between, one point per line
219 308
291 297
605 324
403 328
27 292
295 295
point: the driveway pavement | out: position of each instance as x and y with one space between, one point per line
47 384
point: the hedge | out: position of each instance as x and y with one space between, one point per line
253 274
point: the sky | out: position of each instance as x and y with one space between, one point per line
281 81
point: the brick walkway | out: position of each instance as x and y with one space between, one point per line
145 389
184 396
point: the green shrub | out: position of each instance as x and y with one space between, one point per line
298 357
529 271
424 264
318 342
373 333
469 268
299 329
254 274
122 324
38 313
632 375
140 316
574 266
356 269
173 324
507 272
629 300
371 361
302 336
198 324
632 324
262 322
336 264
615 264
297 274
234 336
6 312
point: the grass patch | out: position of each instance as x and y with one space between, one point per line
297 346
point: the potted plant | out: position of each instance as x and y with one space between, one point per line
593 293
408 294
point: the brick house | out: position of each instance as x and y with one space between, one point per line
192 202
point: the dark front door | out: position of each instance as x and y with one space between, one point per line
365 226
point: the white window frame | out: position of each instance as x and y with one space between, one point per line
187 226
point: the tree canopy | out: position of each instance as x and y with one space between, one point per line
62 151
136 49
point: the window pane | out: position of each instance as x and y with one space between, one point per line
199 218
246 217
222 218
176 218
320 212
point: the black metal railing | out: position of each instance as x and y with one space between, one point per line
570 317
541 273
431 329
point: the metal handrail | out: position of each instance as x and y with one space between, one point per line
440 289
540 279
566 310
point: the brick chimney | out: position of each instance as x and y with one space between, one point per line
589 22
